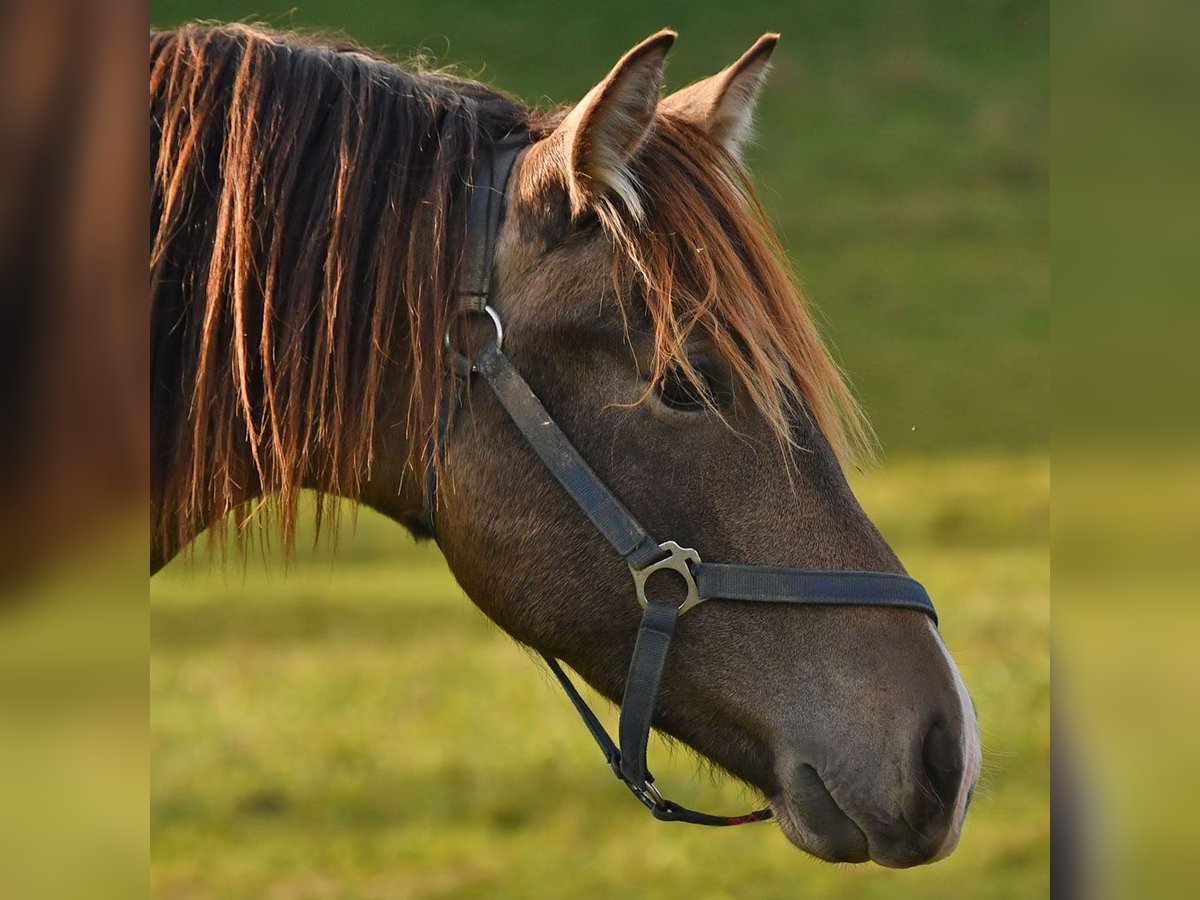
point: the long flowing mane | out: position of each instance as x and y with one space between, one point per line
308 216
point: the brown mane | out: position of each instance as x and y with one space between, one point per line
307 226
707 259
307 214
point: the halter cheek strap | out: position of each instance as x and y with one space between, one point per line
643 554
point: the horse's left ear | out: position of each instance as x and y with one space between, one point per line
723 104
604 130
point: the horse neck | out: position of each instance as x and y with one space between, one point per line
394 484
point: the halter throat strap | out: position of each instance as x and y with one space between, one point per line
485 209
622 531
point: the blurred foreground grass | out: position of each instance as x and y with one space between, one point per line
354 727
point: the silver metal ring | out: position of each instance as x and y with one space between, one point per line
648 794
679 560
659 800
457 358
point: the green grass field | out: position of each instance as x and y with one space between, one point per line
356 728
353 727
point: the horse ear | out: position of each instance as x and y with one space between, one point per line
723 104
605 129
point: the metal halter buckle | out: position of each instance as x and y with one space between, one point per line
648 794
459 362
677 560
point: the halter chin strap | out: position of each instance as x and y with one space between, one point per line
644 555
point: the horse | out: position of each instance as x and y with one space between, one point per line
310 209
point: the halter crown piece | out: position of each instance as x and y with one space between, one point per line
643 554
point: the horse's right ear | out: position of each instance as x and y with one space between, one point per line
599 137
723 104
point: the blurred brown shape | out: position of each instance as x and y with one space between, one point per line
73 301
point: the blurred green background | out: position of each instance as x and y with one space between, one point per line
353 727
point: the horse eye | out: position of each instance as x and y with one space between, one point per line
679 392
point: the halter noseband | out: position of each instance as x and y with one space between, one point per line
644 555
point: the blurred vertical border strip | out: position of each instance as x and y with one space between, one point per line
73 231
1126 140
73 449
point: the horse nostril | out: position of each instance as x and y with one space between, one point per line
942 764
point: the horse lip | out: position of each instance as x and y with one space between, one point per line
860 845
834 837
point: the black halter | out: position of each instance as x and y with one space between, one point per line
643 554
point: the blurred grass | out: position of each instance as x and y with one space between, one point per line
903 154
355 728
73 731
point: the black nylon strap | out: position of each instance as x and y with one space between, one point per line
641 687
598 503
661 808
594 725
670 811
483 220
778 584
484 212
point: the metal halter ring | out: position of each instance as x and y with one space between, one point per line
678 560
460 363
648 794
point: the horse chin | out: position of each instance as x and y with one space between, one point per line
811 819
